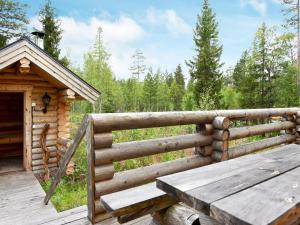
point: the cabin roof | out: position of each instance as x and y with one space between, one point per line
25 48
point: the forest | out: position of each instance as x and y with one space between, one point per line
264 76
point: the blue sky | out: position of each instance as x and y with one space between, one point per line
162 29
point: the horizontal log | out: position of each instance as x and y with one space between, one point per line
104 172
136 177
38 167
221 122
36 144
135 149
39 150
183 215
123 121
205 129
64 142
42 114
40 155
41 126
103 140
66 92
41 171
221 135
41 162
242 132
44 119
220 146
37 137
255 146
38 90
204 150
39 131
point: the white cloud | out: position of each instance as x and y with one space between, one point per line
259 5
168 18
119 36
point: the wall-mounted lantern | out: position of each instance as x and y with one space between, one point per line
46 100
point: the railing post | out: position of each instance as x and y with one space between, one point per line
97 172
297 128
220 138
204 129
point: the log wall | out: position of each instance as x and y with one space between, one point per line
57 115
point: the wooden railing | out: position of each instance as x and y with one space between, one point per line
214 132
212 140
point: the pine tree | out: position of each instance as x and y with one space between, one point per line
12 20
51 28
205 66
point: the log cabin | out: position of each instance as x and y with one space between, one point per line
35 96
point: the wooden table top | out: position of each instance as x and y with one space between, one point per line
255 189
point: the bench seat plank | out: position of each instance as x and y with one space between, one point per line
134 199
276 201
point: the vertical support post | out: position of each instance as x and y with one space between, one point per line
297 128
97 172
220 138
91 169
204 129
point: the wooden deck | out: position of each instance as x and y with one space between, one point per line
21 203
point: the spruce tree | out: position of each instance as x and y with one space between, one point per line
205 66
177 88
12 20
51 28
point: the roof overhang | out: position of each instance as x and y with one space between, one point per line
24 48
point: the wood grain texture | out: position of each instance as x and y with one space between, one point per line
210 180
276 201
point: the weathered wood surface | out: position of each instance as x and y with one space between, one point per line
135 149
255 146
140 176
123 121
134 199
241 132
275 201
21 199
78 216
183 215
199 188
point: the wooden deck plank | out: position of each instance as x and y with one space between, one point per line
21 199
78 216
276 201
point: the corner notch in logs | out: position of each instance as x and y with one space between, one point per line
24 66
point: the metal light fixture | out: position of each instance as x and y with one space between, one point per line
46 100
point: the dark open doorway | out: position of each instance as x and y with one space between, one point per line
11 131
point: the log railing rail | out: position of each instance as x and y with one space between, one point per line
211 142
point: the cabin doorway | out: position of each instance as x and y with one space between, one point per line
11 131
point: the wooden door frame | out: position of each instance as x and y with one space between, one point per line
27 120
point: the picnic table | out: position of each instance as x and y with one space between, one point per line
255 189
